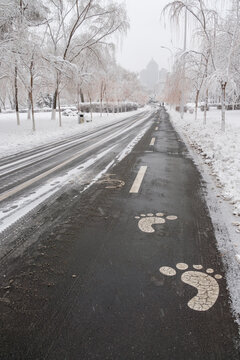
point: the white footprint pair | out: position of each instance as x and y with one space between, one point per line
206 285
146 222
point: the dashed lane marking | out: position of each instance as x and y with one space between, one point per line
138 181
152 141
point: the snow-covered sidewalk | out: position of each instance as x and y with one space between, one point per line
14 139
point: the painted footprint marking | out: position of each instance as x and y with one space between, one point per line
146 222
207 286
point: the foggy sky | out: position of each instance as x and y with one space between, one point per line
146 36
149 31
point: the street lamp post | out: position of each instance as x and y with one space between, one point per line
167 48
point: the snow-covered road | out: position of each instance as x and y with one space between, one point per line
31 177
16 139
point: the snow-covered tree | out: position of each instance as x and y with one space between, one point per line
64 48
218 42
76 26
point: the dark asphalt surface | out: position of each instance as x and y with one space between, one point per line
89 286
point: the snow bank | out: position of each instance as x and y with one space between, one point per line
220 150
217 155
14 139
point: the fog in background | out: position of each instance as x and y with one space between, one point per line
149 30
146 36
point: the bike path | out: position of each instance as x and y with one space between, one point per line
132 264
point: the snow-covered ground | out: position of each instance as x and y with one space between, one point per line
220 150
217 155
14 138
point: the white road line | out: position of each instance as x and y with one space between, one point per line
138 181
152 141
156 128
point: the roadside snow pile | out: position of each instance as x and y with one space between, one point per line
221 151
14 139
220 154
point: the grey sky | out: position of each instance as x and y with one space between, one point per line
146 36
148 33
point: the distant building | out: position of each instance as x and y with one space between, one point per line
152 78
149 76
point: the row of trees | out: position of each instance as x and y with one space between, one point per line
210 70
64 48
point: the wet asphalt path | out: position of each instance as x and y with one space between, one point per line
90 286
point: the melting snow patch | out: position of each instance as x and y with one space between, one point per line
25 204
131 145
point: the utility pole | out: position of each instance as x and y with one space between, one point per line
184 66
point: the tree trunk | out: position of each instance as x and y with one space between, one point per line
33 116
101 107
223 103
101 99
78 98
196 104
29 107
59 111
54 106
3 102
102 93
21 5
205 108
16 94
31 95
82 96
